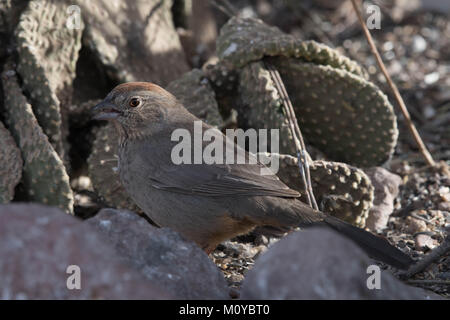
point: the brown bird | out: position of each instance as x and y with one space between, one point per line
207 203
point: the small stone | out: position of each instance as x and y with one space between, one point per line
431 78
419 44
424 242
444 206
414 225
386 186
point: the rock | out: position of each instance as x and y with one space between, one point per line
37 245
444 206
436 5
162 255
386 186
414 225
320 264
424 242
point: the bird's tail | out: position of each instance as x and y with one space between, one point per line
374 246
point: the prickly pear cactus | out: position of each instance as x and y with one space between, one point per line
341 190
103 170
348 118
245 40
44 175
10 165
224 82
134 40
48 52
262 104
193 90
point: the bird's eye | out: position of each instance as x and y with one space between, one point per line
135 102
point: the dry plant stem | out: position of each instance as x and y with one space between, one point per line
296 134
443 249
423 149
225 7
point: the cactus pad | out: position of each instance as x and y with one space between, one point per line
134 40
44 174
194 91
245 40
343 115
10 165
103 169
261 107
341 190
48 52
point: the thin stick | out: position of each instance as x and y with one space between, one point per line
221 8
423 149
296 134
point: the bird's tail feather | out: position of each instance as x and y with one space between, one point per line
374 246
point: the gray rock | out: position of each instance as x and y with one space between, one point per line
162 255
320 264
39 243
386 186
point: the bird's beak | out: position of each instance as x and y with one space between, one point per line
105 110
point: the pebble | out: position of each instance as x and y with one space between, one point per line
419 44
414 225
424 242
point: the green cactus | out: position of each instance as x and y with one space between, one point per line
10 165
103 170
242 41
48 52
194 91
224 83
134 40
261 104
342 114
341 190
345 116
44 175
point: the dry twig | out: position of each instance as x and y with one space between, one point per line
302 154
423 149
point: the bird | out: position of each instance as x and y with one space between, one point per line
207 203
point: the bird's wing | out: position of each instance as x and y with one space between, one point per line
213 180
220 180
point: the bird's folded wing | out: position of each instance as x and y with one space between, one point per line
220 180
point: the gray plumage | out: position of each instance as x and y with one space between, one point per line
206 203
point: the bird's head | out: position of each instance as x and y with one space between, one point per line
135 105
